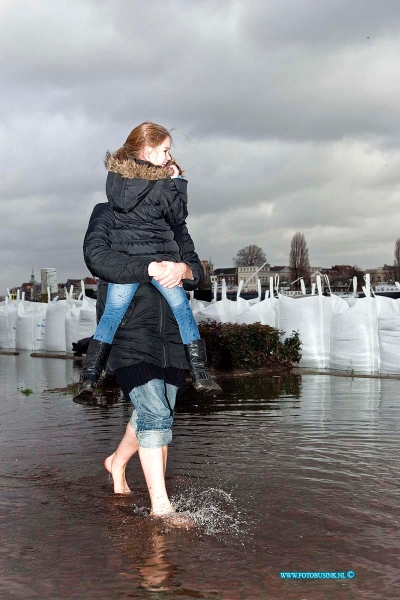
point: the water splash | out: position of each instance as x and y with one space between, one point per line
213 510
141 511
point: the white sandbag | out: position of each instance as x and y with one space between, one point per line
24 328
199 305
388 313
31 325
87 319
258 297
312 317
8 324
224 310
196 305
72 317
71 325
39 326
354 338
264 312
55 326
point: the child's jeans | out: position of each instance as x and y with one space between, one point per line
119 297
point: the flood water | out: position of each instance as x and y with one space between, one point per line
280 474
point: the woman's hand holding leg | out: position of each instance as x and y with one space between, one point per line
173 274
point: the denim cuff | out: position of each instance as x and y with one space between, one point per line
154 438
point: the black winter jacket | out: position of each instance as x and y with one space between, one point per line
146 203
148 331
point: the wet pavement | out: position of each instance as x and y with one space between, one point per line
280 474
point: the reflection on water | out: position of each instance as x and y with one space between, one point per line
279 474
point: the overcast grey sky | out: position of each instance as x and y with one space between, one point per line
292 108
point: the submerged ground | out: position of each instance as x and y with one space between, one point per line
280 474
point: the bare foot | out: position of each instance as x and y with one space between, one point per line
161 507
180 520
118 475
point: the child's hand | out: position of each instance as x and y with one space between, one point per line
156 269
173 165
173 169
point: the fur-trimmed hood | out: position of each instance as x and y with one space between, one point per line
130 181
132 169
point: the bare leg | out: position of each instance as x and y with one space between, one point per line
154 461
116 462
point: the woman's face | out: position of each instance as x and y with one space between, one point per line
159 156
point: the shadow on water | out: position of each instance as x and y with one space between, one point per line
295 473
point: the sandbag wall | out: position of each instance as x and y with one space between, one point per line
360 334
46 327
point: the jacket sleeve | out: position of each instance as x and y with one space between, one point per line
104 262
190 257
176 193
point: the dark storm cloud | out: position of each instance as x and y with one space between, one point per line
292 108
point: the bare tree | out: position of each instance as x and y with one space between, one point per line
299 263
250 256
396 264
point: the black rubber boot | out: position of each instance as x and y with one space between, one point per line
197 358
95 362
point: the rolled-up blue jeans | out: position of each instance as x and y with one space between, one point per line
119 296
153 413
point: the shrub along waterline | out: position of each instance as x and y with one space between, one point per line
248 347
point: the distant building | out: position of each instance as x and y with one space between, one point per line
208 268
233 275
334 277
250 277
385 274
264 274
230 274
32 289
282 272
90 284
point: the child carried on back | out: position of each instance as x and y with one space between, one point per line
148 196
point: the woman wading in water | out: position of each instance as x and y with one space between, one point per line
139 241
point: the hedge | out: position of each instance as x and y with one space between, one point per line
249 347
